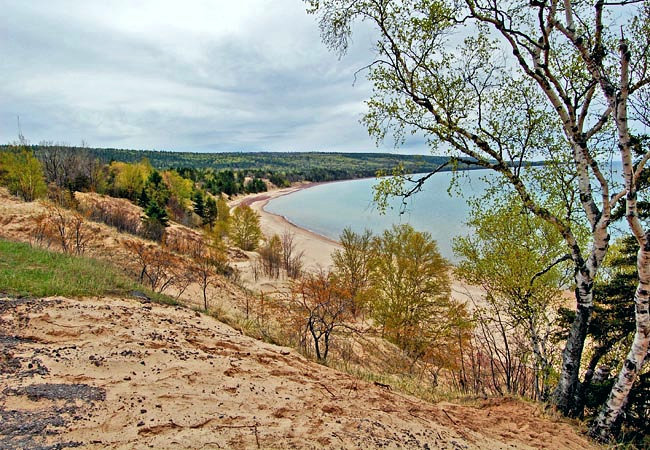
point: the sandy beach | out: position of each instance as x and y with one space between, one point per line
318 249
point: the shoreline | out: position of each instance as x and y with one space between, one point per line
316 248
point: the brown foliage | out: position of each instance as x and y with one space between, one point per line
316 306
209 259
67 228
116 212
156 267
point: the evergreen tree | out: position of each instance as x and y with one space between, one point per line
156 188
143 199
155 221
210 215
199 204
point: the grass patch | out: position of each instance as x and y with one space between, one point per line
30 271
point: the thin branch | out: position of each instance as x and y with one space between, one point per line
563 258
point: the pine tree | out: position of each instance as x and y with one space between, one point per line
199 204
210 212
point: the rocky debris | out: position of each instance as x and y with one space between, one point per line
30 429
141 296
53 405
67 392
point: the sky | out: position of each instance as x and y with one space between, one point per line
213 75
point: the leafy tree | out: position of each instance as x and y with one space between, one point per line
129 179
179 187
520 262
255 185
245 229
222 226
22 173
530 79
279 179
352 263
157 189
411 292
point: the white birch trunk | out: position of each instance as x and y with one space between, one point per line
609 417
607 421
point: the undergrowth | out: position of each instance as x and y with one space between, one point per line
31 271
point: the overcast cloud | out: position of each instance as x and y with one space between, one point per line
212 75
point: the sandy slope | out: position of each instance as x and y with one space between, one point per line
117 373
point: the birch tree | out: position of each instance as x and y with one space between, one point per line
496 83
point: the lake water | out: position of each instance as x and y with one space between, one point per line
329 208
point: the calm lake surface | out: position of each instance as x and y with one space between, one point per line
329 208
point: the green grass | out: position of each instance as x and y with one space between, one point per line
29 271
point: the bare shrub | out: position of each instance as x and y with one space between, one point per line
271 257
39 235
67 228
292 261
157 268
208 260
118 213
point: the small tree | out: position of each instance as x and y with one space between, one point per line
521 263
209 259
222 226
352 263
271 257
155 221
68 228
245 229
211 212
318 305
22 173
291 258
411 291
199 204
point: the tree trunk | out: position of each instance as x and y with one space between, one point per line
572 355
609 418
605 424
585 386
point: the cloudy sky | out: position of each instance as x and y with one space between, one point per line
191 75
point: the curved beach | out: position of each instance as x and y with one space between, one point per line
317 248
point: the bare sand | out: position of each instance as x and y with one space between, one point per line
117 373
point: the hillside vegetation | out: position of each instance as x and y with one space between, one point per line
110 371
310 166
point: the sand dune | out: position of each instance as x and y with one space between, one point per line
117 373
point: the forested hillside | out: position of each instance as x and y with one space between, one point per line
316 166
